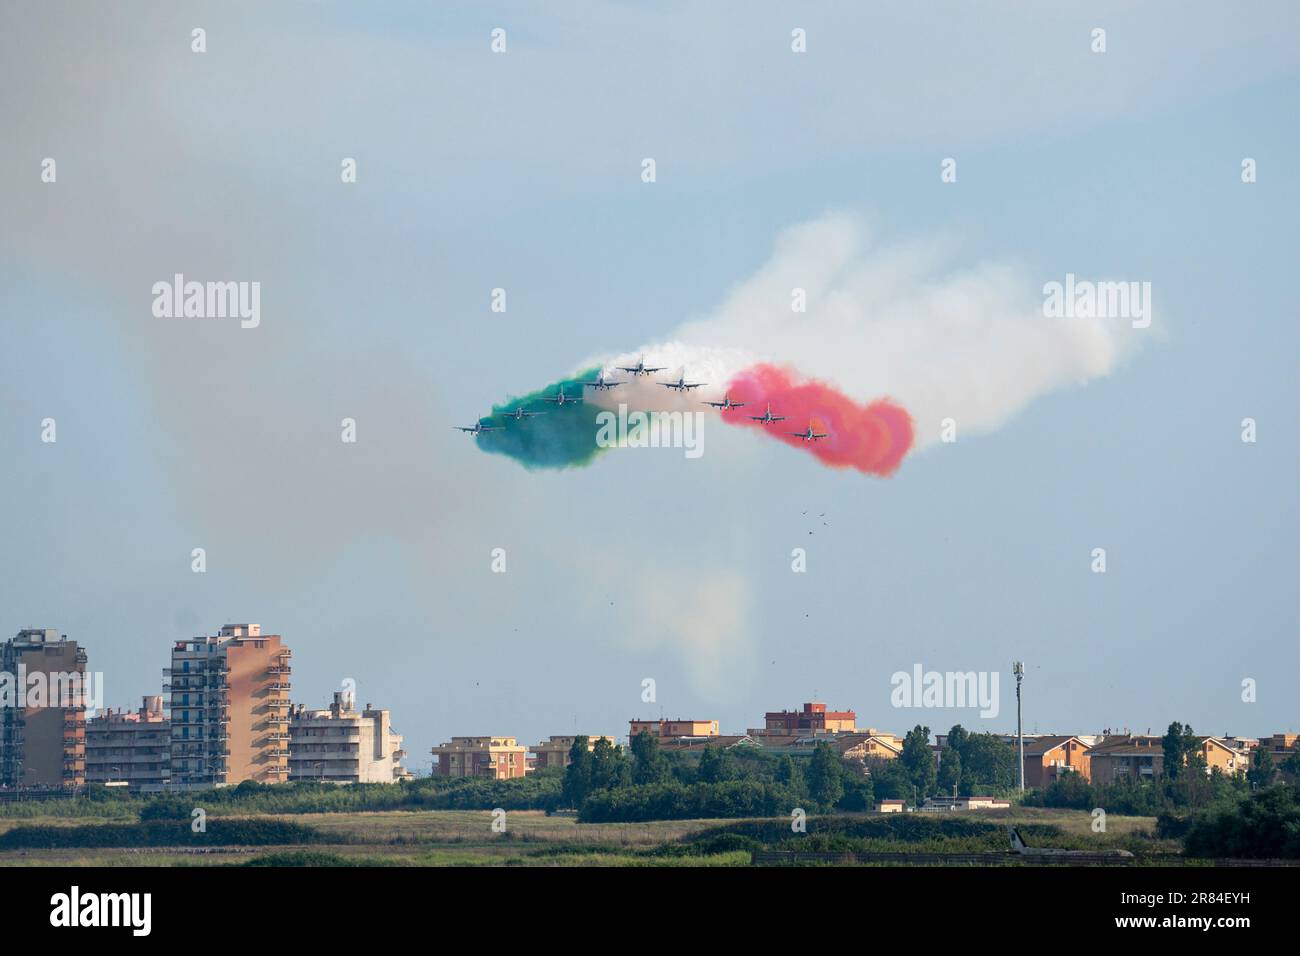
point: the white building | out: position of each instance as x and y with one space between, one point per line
339 745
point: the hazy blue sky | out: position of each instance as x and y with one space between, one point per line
523 171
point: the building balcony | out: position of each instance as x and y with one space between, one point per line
142 756
307 756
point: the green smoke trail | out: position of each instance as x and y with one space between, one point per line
561 437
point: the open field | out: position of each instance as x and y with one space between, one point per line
466 838
1075 823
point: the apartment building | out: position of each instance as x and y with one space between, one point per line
1142 758
229 708
340 745
862 747
1129 757
42 711
500 758
1222 756
130 747
869 745
554 751
1048 758
1281 746
812 718
673 728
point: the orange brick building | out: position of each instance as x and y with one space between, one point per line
229 708
812 718
1048 758
1142 758
673 728
554 751
499 758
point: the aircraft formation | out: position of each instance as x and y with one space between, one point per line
601 384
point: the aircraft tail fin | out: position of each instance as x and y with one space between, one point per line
1017 844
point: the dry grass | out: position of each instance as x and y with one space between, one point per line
475 827
1076 823
466 838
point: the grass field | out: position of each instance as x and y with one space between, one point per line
466 838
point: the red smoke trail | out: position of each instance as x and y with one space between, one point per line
871 438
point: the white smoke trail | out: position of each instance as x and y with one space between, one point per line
712 366
972 345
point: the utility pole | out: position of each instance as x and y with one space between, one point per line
1018 668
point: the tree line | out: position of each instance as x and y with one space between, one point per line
604 782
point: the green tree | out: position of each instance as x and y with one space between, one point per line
949 771
649 765
988 763
714 767
957 738
1265 825
1262 768
1291 766
609 767
859 793
825 776
918 759
891 780
578 775
1179 744
788 775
